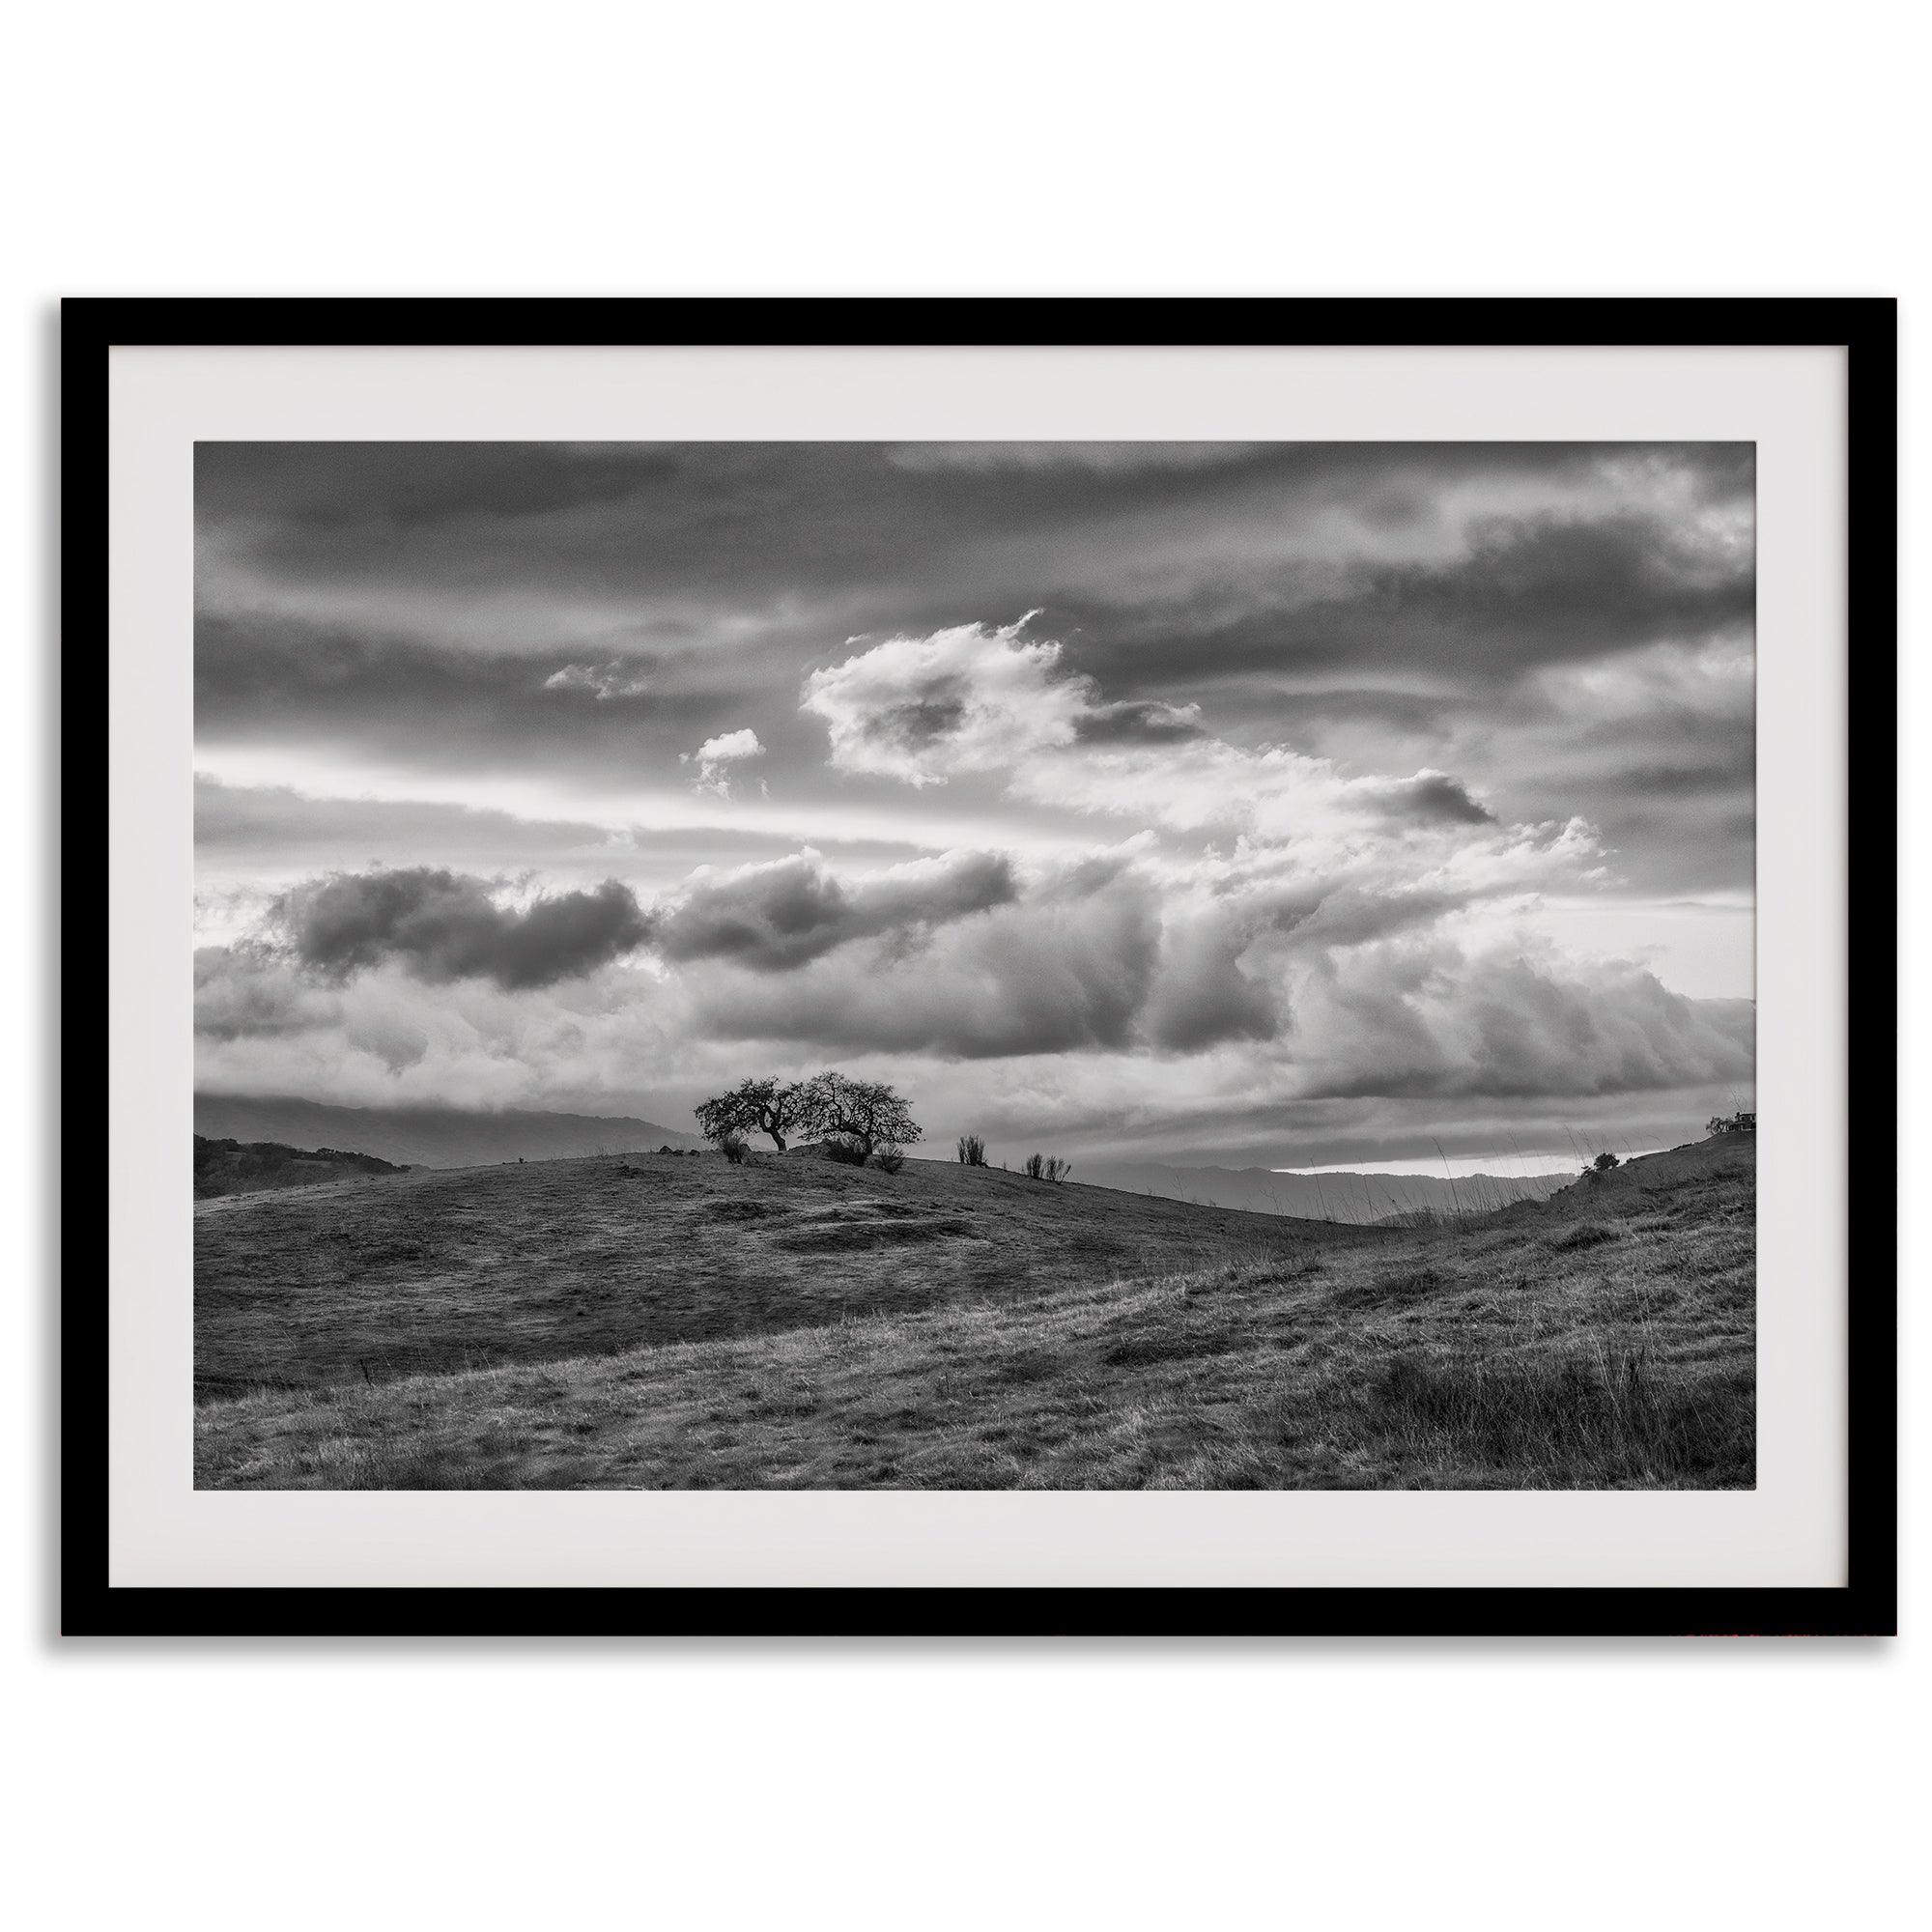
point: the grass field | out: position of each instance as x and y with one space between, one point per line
794 1323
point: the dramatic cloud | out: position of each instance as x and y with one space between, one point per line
971 698
1433 798
1063 973
1322 791
1426 1017
977 699
716 756
775 916
444 926
1519 593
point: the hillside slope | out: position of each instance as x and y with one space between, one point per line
428 1136
443 1268
1603 1339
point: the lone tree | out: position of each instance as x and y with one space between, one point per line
773 1107
1604 1163
868 1113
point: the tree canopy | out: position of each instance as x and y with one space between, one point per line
864 1112
773 1107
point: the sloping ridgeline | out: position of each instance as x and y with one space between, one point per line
244 1167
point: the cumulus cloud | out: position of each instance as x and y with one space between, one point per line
1429 1017
979 697
1372 1001
715 757
772 918
1059 973
447 926
974 697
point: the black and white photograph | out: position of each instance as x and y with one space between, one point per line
973 966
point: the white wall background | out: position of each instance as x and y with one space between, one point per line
1020 147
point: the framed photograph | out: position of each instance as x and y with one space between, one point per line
977 967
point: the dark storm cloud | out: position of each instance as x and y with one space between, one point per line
672 533
1050 975
1431 798
774 918
1572 586
445 926
1531 592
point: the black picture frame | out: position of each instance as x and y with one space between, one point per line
1865 1604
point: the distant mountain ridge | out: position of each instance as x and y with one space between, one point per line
1360 1197
429 1136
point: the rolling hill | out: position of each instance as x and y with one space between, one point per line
428 1136
247 1167
673 1322
471 1267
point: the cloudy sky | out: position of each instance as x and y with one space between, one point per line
1279 804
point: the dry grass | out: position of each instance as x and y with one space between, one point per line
442 1269
1515 1352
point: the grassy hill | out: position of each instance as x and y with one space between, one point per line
244 1167
797 1323
441 1269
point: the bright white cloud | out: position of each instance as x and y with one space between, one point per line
979 698
971 698
715 757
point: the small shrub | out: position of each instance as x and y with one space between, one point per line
736 1150
848 1153
888 1159
1046 1167
1605 1163
971 1151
